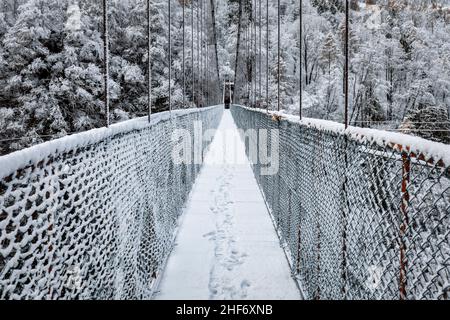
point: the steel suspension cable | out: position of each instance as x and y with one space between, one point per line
252 55
205 40
207 52
170 56
206 55
247 59
300 60
238 44
267 55
215 56
149 62
192 52
260 50
256 53
198 54
279 57
106 59
346 63
184 54
201 53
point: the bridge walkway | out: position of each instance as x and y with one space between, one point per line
227 247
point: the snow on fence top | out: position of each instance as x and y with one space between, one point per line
20 159
431 150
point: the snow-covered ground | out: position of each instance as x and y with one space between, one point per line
227 247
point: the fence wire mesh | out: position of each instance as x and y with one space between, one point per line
359 220
96 222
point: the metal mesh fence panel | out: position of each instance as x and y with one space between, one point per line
359 219
96 221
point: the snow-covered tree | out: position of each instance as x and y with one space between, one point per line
30 48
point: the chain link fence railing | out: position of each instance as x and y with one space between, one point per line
360 217
95 219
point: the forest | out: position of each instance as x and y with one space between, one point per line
52 62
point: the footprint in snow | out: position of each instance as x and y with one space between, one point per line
210 235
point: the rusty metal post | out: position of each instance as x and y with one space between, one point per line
406 178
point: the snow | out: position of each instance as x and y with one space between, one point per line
74 18
227 247
430 149
20 159
374 21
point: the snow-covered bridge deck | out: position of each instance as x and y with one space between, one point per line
227 247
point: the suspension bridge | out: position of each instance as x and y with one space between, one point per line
350 213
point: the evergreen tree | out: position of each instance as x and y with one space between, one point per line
30 47
77 83
328 53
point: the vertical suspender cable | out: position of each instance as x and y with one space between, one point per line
346 154
206 37
149 62
254 52
205 13
247 59
106 59
184 54
200 57
254 55
170 57
206 53
236 64
244 69
267 55
201 52
260 51
210 53
300 70
346 63
208 34
192 51
198 54
215 56
208 102
279 58
252 30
